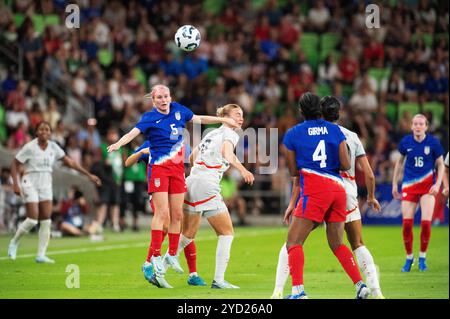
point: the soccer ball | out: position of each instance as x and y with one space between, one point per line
187 38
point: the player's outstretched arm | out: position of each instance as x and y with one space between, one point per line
127 138
395 178
206 119
193 156
434 190
72 164
228 154
133 158
363 162
344 158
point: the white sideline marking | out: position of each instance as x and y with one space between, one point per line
124 246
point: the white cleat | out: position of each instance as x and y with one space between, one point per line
12 250
44 260
223 285
172 262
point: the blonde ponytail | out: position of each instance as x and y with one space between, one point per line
225 110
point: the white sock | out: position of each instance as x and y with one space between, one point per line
422 254
44 236
222 256
296 290
368 268
23 229
183 242
410 256
282 270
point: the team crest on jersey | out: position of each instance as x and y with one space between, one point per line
157 182
426 150
178 116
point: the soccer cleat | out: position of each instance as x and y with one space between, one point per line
44 260
422 264
196 280
223 285
172 261
147 269
159 281
277 295
408 264
363 292
12 250
301 295
157 264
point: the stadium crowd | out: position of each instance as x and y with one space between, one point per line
262 55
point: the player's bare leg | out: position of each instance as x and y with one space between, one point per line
24 228
335 234
363 257
223 226
427 208
191 224
408 211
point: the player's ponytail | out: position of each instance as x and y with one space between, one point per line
225 110
309 105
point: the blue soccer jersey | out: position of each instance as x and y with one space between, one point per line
164 132
316 145
420 161
144 157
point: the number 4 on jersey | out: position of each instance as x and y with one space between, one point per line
320 154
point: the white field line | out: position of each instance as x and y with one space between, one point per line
136 245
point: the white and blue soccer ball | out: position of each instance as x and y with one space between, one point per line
187 38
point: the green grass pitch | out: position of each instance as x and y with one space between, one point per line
112 269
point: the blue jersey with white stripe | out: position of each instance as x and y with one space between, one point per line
420 157
164 132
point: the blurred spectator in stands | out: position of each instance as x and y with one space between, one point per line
287 120
59 134
16 97
88 136
366 77
318 17
392 88
373 52
15 116
348 68
35 115
33 51
52 114
413 86
73 149
34 96
436 86
288 32
52 42
19 136
102 107
7 197
328 71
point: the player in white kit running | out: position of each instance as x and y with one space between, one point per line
37 158
330 111
209 161
445 179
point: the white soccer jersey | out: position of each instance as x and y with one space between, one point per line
356 150
446 160
37 160
210 163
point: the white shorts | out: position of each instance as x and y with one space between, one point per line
36 187
352 209
203 196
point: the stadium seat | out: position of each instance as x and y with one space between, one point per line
347 91
213 6
412 107
51 19
391 111
328 43
437 109
105 57
379 74
257 4
212 74
324 90
18 19
426 37
38 23
309 43
139 75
